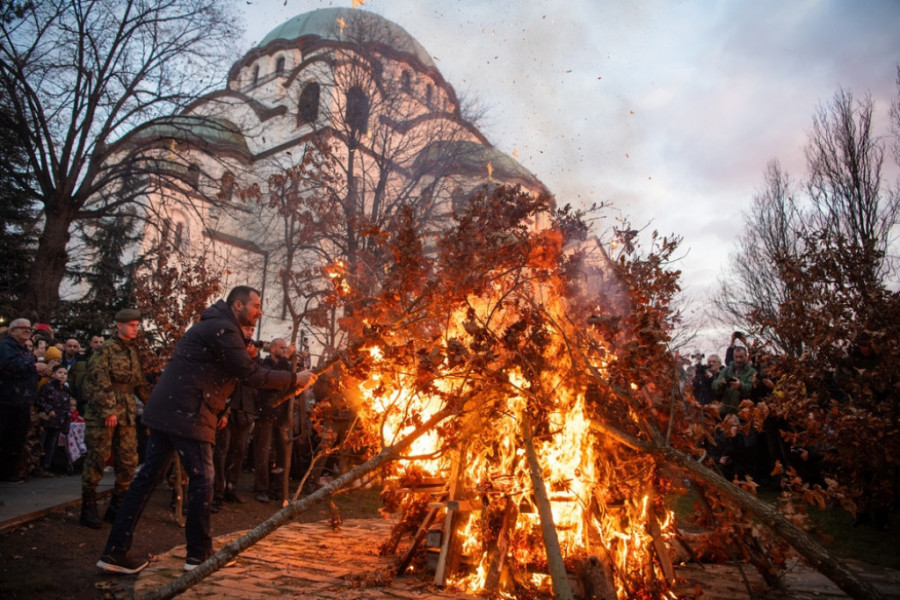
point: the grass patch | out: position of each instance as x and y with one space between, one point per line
831 527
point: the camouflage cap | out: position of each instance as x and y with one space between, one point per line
128 314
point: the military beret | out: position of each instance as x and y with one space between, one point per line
128 314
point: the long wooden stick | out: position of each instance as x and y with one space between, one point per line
561 588
808 547
229 551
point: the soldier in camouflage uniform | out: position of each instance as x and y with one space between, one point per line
114 376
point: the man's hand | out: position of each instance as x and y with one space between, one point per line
111 421
223 422
305 379
43 369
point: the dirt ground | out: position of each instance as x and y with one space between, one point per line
54 557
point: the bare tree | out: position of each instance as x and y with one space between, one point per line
852 206
751 295
848 208
388 134
81 73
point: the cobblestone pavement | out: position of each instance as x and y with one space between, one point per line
302 560
310 560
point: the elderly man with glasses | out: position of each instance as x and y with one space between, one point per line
19 373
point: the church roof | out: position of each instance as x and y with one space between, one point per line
473 158
323 23
198 130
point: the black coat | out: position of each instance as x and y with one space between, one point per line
205 365
18 375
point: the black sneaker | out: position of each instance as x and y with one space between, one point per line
120 562
13 479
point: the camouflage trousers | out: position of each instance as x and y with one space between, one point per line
121 441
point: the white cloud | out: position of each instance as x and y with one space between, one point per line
670 110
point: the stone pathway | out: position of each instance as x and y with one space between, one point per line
312 561
302 561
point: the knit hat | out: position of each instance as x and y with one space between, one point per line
52 353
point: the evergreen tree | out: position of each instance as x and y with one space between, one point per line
18 215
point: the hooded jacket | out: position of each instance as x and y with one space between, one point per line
208 360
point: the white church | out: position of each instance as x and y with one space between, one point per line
331 124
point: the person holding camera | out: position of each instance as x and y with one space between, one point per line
734 382
704 375
731 386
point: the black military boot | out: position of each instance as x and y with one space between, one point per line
89 516
115 501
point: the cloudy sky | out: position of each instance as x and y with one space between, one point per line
668 110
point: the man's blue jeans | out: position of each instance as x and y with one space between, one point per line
196 459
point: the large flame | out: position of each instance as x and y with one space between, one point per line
602 498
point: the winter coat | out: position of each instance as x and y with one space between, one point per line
263 409
730 397
114 377
55 398
206 363
18 375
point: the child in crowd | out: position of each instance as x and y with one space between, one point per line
75 439
54 406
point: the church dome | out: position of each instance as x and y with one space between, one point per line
204 132
323 24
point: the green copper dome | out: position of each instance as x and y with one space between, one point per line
359 25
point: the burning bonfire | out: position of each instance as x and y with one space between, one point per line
512 339
521 404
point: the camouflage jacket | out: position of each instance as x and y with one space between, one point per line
114 377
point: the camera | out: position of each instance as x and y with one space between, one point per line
258 343
738 334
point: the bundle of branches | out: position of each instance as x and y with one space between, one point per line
532 375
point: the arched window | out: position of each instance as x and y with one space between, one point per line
193 175
279 65
357 111
428 92
255 74
406 81
308 106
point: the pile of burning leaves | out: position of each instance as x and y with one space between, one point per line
520 336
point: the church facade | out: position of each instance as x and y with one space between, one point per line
332 124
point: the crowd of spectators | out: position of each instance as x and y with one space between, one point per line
745 375
758 436
43 400
41 430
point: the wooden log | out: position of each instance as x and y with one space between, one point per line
288 449
497 554
817 556
659 544
229 551
561 588
449 557
178 489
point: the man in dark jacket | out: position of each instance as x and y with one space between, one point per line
19 374
271 426
183 415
